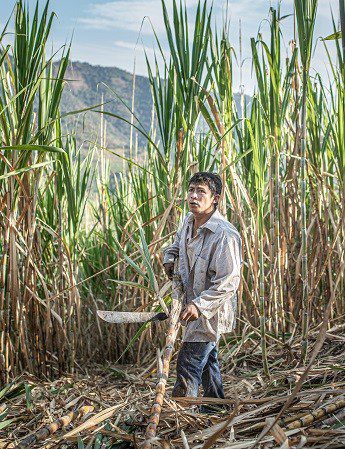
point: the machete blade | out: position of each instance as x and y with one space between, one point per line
130 317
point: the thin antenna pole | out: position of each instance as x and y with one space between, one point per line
241 73
132 112
102 120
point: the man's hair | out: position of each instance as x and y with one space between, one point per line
212 180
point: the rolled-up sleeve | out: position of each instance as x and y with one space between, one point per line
172 251
225 269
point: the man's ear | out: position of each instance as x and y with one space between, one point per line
216 198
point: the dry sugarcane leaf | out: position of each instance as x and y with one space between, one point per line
246 444
277 432
302 443
94 421
213 438
184 440
73 402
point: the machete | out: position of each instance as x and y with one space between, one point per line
130 317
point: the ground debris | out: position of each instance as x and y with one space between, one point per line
121 397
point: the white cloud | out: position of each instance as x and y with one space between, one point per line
128 15
124 44
138 51
140 47
121 16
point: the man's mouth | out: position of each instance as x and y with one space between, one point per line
193 203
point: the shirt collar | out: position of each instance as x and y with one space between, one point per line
211 223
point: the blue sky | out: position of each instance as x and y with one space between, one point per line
106 32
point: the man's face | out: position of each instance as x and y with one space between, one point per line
200 199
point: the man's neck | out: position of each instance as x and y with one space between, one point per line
200 219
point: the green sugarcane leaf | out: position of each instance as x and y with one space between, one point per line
32 147
333 36
25 169
285 17
28 396
3 415
133 340
136 267
6 423
147 261
208 118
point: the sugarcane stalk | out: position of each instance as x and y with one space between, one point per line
316 414
4 323
334 418
51 428
162 376
262 311
303 185
305 12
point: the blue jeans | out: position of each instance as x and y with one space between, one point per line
197 364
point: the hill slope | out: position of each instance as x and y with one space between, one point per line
87 82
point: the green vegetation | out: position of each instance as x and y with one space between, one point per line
64 254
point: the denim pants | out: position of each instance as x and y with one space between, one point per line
197 364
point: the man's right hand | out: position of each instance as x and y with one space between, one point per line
169 269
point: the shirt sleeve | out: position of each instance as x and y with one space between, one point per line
172 251
225 268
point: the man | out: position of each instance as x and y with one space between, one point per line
209 252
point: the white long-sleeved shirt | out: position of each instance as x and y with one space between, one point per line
210 268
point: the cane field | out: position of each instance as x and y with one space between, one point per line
76 236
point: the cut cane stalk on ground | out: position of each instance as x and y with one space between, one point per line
66 262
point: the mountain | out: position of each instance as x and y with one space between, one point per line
84 89
85 86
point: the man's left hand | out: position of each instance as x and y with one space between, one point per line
189 313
